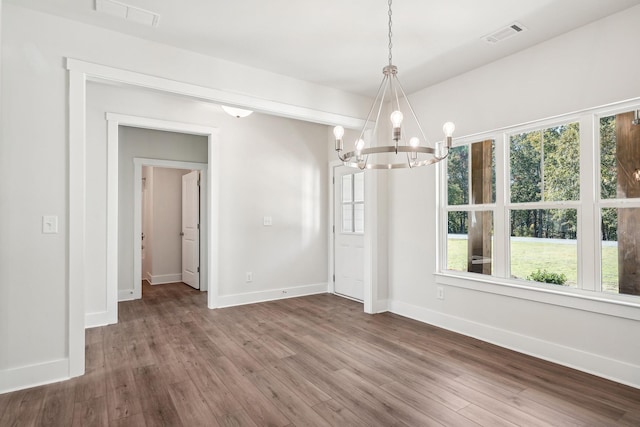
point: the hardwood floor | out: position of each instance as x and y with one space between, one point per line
314 360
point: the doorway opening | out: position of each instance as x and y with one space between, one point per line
170 224
169 232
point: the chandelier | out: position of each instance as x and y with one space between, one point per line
400 153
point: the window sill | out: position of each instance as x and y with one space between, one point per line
623 306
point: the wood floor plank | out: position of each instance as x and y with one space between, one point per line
92 412
57 410
236 419
220 399
286 400
131 421
303 388
484 418
157 405
122 395
394 407
259 408
342 391
427 406
90 386
20 411
191 405
310 360
338 415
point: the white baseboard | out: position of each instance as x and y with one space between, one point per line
270 295
33 375
615 370
161 279
127 295
381 306
102 318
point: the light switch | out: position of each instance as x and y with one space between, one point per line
49 224
268 222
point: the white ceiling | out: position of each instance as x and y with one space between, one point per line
343 44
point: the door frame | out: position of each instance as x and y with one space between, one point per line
138 164
115 120
372 303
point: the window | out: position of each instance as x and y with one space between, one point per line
471 195
353 203
544 167
556 203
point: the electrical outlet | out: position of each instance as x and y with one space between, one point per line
249 276
49 224
440 292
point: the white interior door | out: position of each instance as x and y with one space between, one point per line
191 229
349 232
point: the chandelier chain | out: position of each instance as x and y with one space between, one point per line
390 34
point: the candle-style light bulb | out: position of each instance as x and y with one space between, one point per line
359 144
396 118
415 143
448 129
338 132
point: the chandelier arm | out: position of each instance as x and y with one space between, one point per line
413 113
409 161
380 90
395 92
386 82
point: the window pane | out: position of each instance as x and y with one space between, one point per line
620 255
458 175
346 188
483 172
470 242
619 157
561 148
545 165
526 167
347 218
543 245
457 241
358 222
358 187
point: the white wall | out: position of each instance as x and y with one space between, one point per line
585 68
34 146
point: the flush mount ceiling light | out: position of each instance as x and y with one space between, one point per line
402 154
236 112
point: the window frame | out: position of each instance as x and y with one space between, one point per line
588 294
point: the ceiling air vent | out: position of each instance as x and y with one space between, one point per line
128 12
504 33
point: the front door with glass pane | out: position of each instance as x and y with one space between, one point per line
349 232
